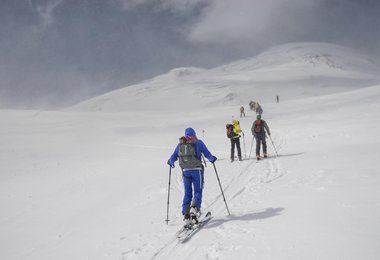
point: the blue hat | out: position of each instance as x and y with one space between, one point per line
190 132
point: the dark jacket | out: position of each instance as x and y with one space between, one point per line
265 127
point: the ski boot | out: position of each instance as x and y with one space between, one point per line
258 157
265 155
195 213
187 220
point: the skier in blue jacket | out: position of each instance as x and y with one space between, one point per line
189 151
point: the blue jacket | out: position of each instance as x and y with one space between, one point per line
200 148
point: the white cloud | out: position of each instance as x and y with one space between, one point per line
228 21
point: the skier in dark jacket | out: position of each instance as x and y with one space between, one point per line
258 108
242 113
189 152
258 130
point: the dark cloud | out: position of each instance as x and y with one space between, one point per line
58 52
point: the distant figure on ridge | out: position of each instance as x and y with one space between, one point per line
251 105
242 113
258 108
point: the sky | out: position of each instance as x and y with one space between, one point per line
55 53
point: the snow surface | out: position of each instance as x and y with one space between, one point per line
91 182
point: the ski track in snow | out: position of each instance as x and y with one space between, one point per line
89 182
241 184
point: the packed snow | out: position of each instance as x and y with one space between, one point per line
91 181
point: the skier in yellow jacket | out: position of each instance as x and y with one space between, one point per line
235 140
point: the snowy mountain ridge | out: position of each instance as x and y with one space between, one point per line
309 53
291 71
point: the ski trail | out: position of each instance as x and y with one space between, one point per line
242 190
168 247
243 183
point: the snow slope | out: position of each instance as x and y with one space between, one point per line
292 71
94 185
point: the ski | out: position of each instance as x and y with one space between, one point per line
185 233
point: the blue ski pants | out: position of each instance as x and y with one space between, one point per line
193 182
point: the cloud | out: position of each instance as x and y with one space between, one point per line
45 13
56 47
246 20
180 6
130 4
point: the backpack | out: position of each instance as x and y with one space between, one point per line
259 126
260 110
187 155
230 130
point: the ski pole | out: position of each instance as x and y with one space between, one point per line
250 151
204 160
273 145
224 198
167 207
245 153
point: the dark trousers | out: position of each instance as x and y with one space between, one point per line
237 143
260 138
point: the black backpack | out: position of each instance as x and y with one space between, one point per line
230 130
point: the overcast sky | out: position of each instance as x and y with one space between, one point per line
57 52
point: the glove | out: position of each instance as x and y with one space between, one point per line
213 159
170 164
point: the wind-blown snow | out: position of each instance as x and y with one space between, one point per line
94 185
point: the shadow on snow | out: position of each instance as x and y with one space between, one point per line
268 213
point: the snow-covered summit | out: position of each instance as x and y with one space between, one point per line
307 54
292 71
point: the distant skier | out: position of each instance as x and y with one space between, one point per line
258 130
251 105
233 132
278 98
189 152
258 108
242 113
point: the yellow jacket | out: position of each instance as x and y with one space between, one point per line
237 129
